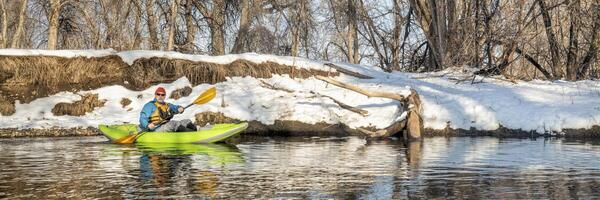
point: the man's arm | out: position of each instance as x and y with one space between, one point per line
145 115
176 108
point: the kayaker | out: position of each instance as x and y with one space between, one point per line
156 115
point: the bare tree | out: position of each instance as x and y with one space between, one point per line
54 14
172 25
3 35
190 27
19 31
345 18
246 15
216 20
137 30
152 25
557 71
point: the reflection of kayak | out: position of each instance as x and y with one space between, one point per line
216 133
219 153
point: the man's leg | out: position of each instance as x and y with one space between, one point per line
189 125
179 125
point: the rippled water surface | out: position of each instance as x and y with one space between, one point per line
301 168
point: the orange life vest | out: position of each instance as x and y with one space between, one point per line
161 114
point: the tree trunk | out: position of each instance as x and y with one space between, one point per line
216 24
428 15
351 35
593 48
573 43
137 38
554 53
152 25
295 41
3 36
245 22
395 46
172 25
55 7
19 31
190 28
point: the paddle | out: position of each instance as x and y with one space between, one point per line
205 97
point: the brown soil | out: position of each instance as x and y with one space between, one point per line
593 132
53 132
500 132
182 92
504 132
87 103
280 127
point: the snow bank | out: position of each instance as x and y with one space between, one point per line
245 99
542 106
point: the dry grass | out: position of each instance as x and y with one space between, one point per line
213 118
87 103
32 77
150 71
182 92
6 107
125 102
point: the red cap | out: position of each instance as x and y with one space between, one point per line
160 90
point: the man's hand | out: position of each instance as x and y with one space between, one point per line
181 109
151 126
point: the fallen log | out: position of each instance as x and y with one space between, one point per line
410 120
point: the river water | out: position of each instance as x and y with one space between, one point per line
301 168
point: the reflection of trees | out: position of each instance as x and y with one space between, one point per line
494 179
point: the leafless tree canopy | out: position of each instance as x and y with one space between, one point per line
547 39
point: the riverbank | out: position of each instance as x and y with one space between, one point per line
281 95
293 129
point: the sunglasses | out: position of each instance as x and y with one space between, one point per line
162 95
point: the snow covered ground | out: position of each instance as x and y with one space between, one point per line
542 106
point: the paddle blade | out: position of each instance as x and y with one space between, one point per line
206 96
126 140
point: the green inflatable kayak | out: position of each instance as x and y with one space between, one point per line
216 133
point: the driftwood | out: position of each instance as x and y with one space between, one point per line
348 72
396 127
412 123
368 93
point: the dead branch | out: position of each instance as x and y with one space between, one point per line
345 106
272 87
368 93
348 72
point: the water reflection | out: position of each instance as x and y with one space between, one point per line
305 168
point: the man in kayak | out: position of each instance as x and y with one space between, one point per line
156 115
